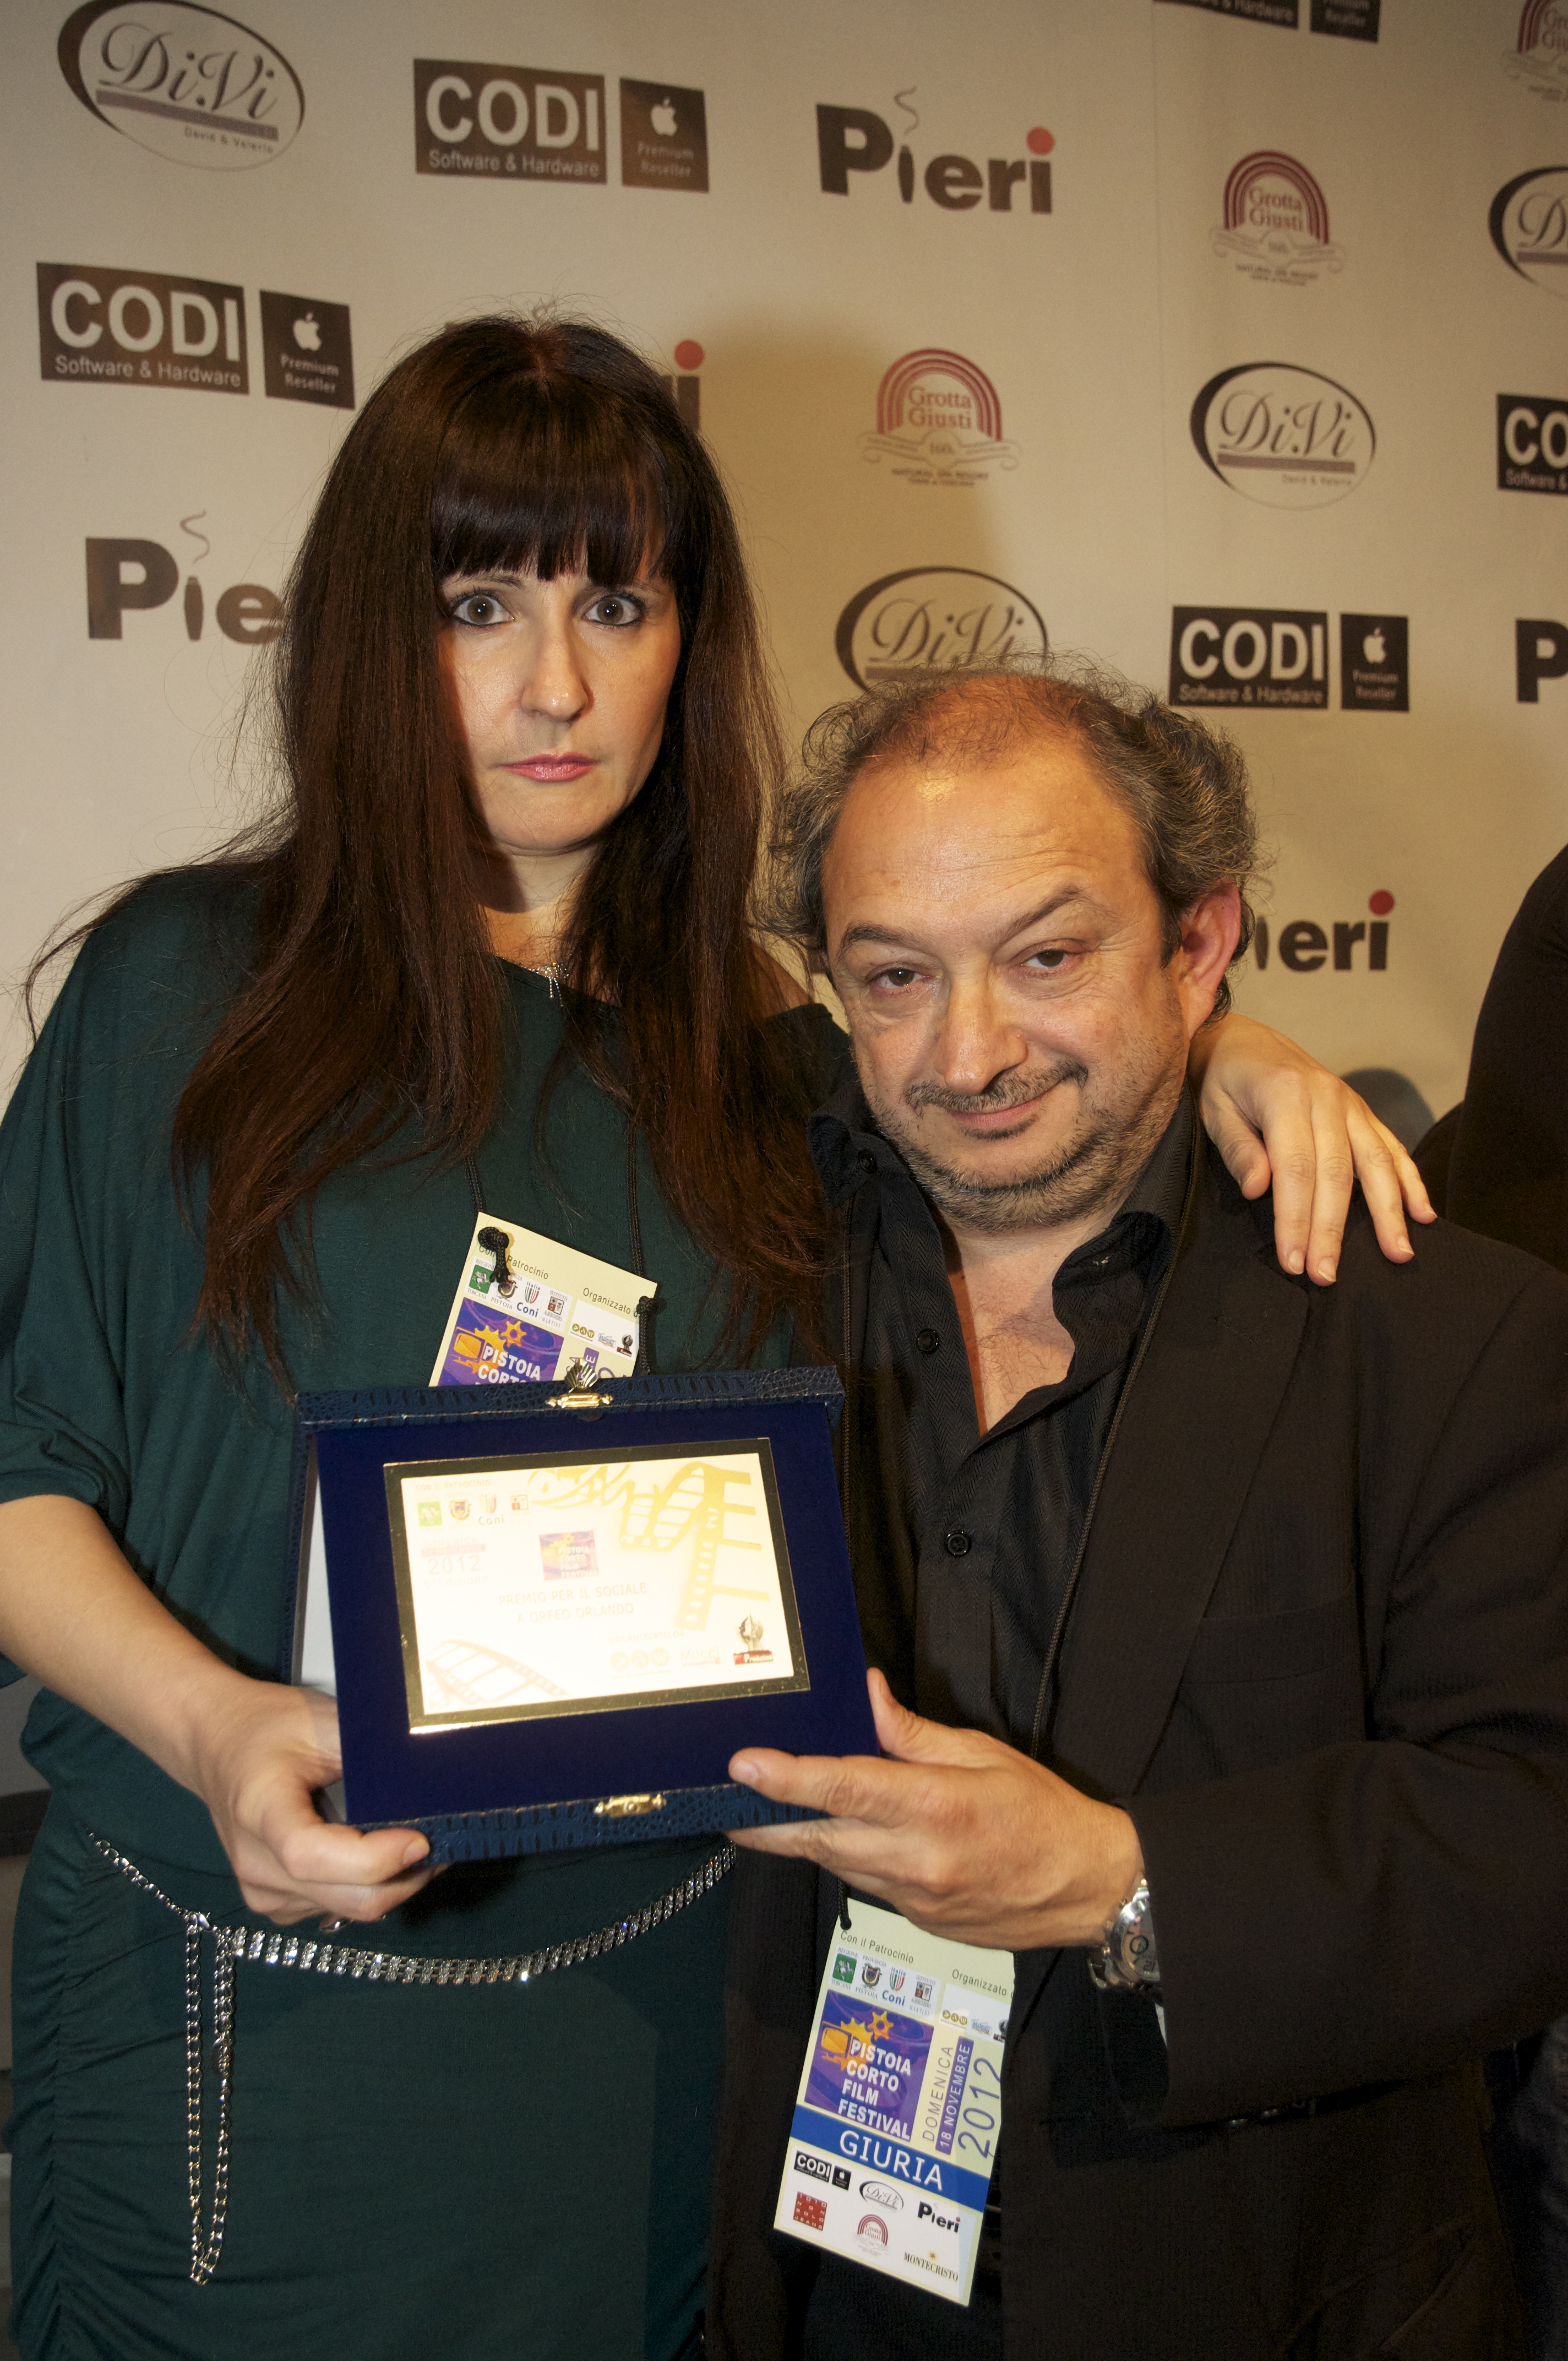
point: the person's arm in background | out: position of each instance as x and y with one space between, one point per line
1279 1118
1508 1172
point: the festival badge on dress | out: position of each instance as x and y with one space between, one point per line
529 1309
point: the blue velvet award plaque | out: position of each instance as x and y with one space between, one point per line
550 1618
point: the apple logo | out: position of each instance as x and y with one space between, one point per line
664 118
307 334
1374 647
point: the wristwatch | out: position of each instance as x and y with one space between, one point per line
1127 1960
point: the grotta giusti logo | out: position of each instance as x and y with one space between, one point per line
938 421
185 81
1529 222
935 617
1275 225
1285 436
1540 55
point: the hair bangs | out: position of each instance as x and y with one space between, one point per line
550 479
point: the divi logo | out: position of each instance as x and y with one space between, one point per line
192 85
935 617
852 140
1529 222
1283 435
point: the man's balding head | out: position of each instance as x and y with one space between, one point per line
1027 898
1183 786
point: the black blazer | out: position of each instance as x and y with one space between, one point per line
1319 1648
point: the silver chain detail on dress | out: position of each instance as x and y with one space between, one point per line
231 1944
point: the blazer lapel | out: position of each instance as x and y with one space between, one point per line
1195 1421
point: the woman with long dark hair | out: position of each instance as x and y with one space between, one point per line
494 939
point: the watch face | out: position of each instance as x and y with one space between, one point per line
1137 1954
1134 1940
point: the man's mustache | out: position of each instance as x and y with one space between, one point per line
1008 1089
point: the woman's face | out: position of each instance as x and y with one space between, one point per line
561 688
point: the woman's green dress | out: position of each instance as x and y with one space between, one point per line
417 2171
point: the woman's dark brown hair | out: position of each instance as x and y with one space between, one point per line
372 995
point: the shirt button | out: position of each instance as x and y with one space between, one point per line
927 1339
866 1160
958 1544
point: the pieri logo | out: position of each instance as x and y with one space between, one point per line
190 84
1540 652
851 139
1539 58
127 577
1275 225
1304 947
938 421
685 390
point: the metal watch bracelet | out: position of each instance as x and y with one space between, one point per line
1127 1960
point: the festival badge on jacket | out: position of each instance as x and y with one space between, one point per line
529 1308
896 2124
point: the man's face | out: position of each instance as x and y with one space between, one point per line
1020 1034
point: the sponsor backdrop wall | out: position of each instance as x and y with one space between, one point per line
1220 338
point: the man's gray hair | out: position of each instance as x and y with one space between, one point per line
1183 786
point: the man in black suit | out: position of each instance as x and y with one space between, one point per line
1231 1610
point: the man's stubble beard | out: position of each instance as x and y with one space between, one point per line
1115 1135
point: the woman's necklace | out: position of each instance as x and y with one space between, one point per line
554 975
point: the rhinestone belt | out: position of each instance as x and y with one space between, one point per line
232 1944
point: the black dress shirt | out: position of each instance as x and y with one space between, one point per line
976 1535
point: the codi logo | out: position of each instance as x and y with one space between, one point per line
853 140
140 327
514 122
1282 435
1532 443
194 86
1249 656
